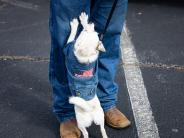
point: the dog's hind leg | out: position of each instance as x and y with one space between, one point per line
74 25
84 131
104 134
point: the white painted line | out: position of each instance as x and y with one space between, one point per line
144 120
22 4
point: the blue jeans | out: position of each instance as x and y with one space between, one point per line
61 13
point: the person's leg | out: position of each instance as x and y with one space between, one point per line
61 13
108 61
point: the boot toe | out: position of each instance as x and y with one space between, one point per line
116 119
69 129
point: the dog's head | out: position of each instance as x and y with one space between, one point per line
97 45
88 42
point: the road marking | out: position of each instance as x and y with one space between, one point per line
144 120
22 4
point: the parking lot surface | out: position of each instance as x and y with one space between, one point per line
156 33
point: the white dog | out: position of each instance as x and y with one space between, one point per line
86 50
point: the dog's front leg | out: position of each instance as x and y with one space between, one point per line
74 25
84 20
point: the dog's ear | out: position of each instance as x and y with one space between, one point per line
101 47
92 26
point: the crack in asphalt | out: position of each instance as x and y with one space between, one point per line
22 4
140 64
23 27
156 65
2 6
23 58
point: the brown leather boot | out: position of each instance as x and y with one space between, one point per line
116 119
69 129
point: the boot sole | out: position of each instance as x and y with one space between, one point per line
118 127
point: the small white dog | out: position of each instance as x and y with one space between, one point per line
86 50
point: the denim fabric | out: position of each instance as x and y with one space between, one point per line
61 13
82 78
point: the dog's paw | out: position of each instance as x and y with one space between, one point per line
83 18
74 24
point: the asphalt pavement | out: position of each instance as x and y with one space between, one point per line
157 34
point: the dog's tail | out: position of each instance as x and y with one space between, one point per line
81 103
